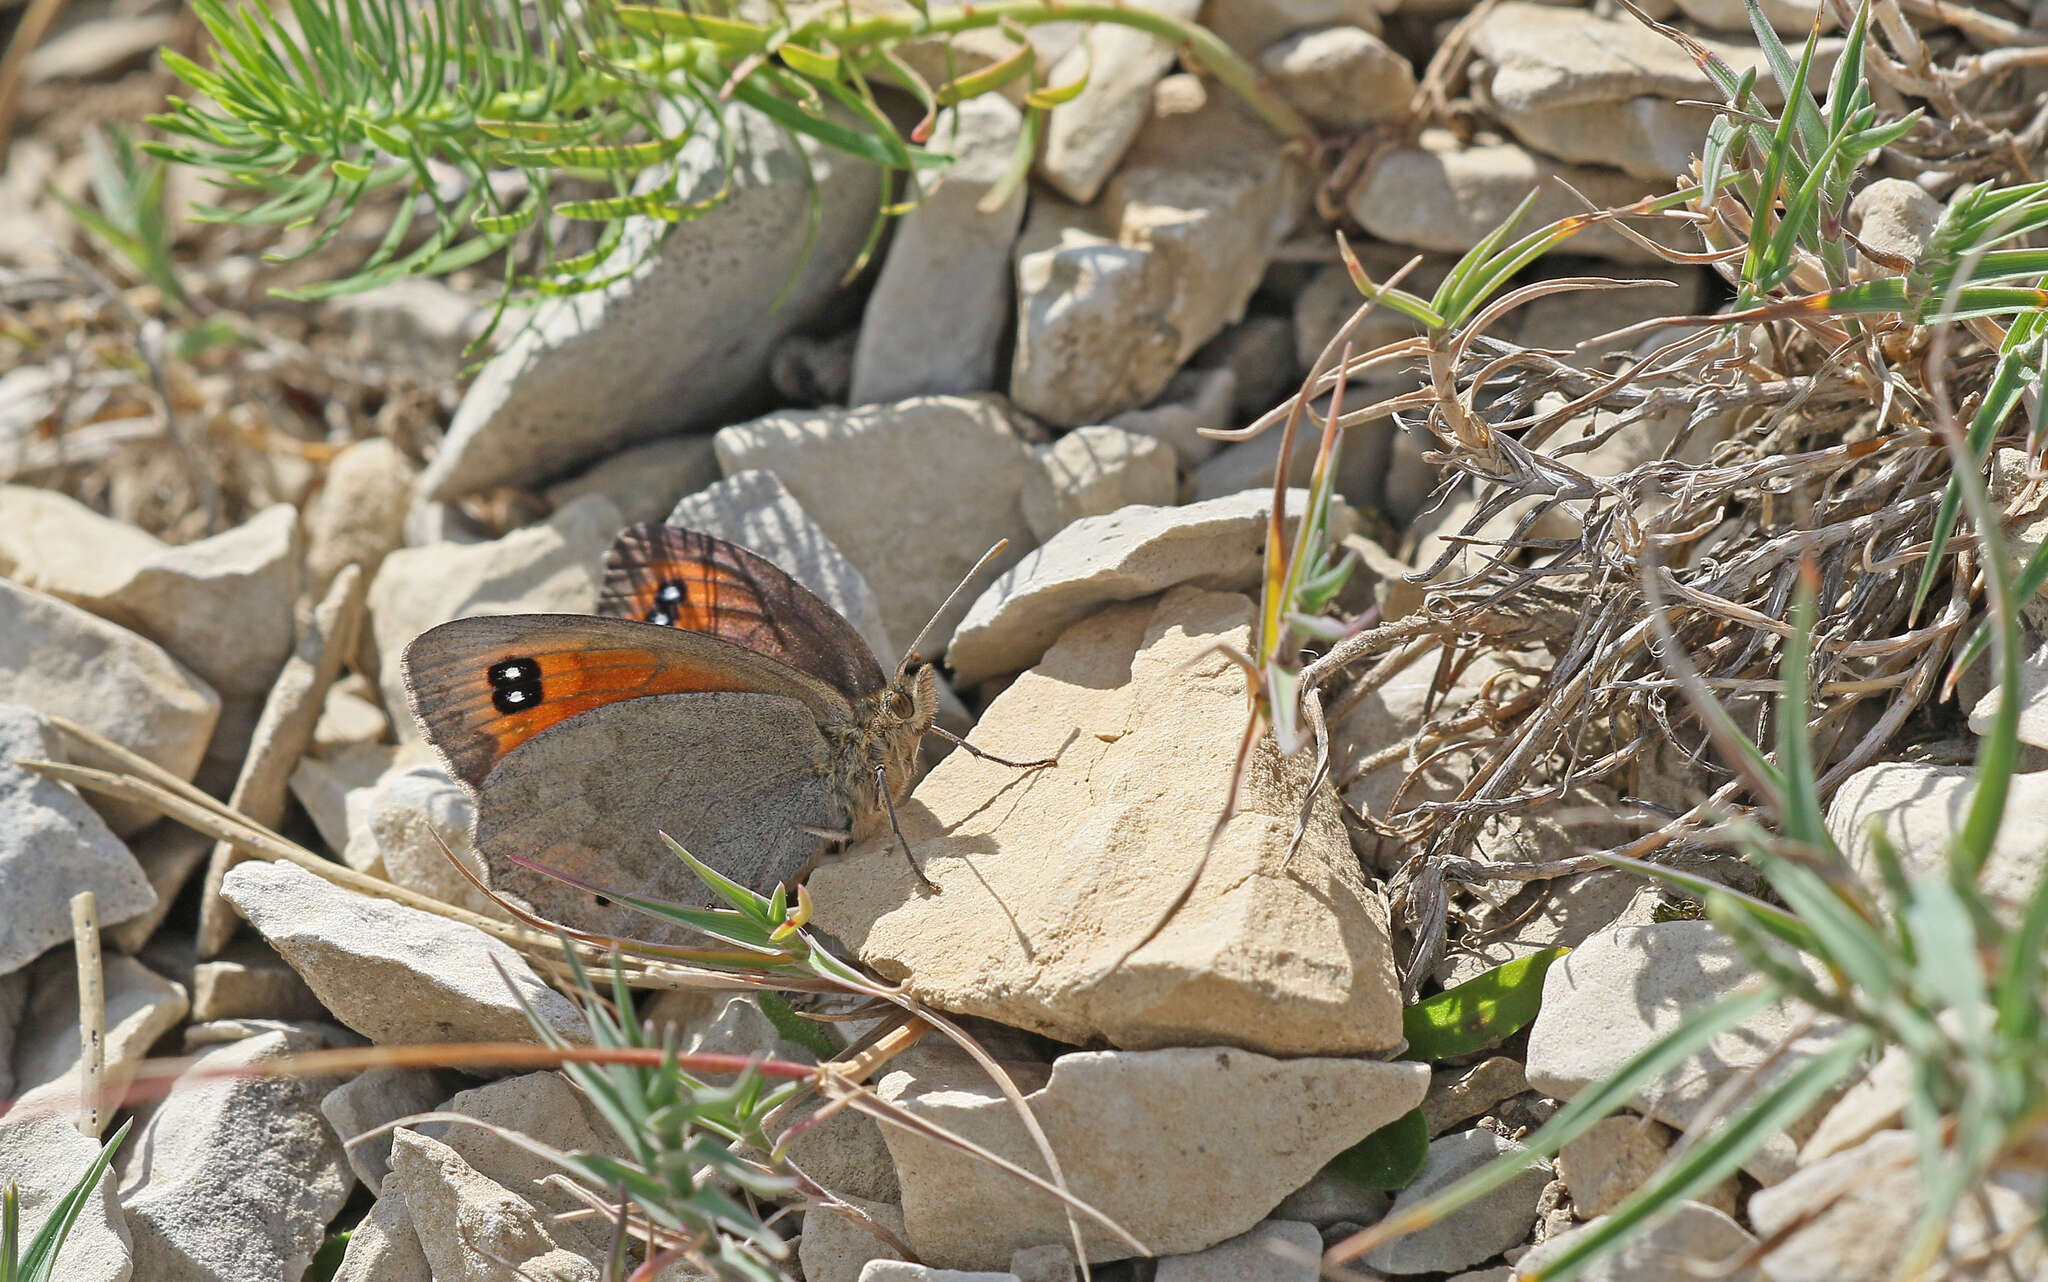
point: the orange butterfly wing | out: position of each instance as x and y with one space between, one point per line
694 582
481 687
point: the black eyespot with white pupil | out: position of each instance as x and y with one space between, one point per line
515 685
669 598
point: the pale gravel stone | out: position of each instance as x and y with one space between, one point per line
1481 1229
393 973
62 661
472 1228
935 320
685 337
52 845
1124 555
912 492
1086 136
282 734
385 1248
358 515
43 1152
1275 1250
836 1248
1624 988
1093 471
369 1100
644 482
235 1178
1693 1238
1182 1147
1344 76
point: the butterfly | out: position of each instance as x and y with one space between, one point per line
712 698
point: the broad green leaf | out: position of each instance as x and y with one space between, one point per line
1390 1157
1479 1012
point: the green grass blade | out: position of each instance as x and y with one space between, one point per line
1712 1159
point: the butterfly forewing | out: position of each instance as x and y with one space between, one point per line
482 687
691 581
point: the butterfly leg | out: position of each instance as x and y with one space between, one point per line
827 834
973 751
902 843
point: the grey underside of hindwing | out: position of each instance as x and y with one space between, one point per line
730 776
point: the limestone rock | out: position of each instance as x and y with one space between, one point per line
545 1108
358 515
1842 1219
685 337
1476 1232
385 1247
1624 988
1788 17
1211 194
408 823
248 980
1694 1236
61 661
1274 1251
1184 1147
1094 337
393 973
1144 717
472 1228
1538 56
1645 137
169 853
1093 471
1258 354
1331 1199
1611 1160
913 493
1251 25
1920 808
1195 400
1342 76
372 1098
644 482
42 1151
52 845
1330 299
935 320
54 544
2033 727
1086 136
1048 1263
753 509
1121 556
555 566
141 1006
836 1247
1439 195
235 1178
1894 216
1461 1094
222 606
282 734
899 1271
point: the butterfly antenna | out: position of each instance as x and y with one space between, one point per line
913 655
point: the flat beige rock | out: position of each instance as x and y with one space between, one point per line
1053 878
1184 1148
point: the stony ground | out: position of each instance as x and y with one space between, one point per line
213 552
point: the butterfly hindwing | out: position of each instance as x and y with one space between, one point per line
482 687
692 581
